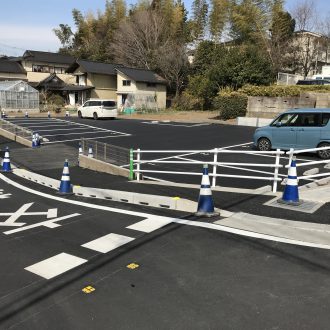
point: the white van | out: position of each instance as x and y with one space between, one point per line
98 108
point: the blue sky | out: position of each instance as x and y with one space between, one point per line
28 24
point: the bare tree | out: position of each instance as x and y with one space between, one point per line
139 39
174 65
305 16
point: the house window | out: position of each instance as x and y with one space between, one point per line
59 70
151 84
40 68
126 83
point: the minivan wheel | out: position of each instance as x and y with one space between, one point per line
95 116
264 144
324 154
79 114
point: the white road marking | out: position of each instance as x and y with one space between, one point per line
64 129
84 133
55 265
107 243
48 223
52 125
92 138
14 216
163 220
151 224
174 125
102 129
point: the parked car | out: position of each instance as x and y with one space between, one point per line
298 129
313 82
97 108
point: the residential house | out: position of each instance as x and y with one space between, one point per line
11 70
140 87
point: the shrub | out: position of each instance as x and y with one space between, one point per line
279 90
230 104
186 102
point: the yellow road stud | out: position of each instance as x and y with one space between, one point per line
132 266
88 289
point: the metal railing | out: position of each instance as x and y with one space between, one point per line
15 129
106 152
180 157
293 152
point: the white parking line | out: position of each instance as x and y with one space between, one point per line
55 265
174 124
107 243
76 133
149 225
64 129
93 138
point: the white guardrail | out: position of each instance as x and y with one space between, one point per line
274 177
180 157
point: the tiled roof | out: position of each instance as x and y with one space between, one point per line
47 57
142 75
94 67
9 66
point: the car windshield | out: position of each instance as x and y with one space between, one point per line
285 119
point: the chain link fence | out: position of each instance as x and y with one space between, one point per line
15 129
288 79
106 152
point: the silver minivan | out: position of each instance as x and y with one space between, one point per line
98 108
298 129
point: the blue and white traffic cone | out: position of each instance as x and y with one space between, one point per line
34 145
290 194
3 114
90 152
37 140
205 201
67 114
80 150
6 162
65 186
48 114
26 114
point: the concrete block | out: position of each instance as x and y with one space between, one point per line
246 121
100 166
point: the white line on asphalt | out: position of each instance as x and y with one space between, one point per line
174 125
107 243
55 265
93 138
102 129
48 223
160 219
64 129
149 225
76 133
52 125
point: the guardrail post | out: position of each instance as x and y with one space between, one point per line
105 151
131 165
277 164
215 160
138 158
96 150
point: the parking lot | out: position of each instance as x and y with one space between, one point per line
92 262
166 135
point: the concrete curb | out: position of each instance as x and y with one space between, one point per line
172 203
16 138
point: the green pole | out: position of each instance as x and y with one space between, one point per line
131 165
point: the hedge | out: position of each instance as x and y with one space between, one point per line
278 90
230 105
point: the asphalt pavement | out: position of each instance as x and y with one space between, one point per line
82 263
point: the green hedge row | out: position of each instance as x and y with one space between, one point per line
278 90
230 105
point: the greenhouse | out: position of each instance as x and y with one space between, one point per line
18 95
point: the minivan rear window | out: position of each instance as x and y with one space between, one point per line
109 103
94 103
